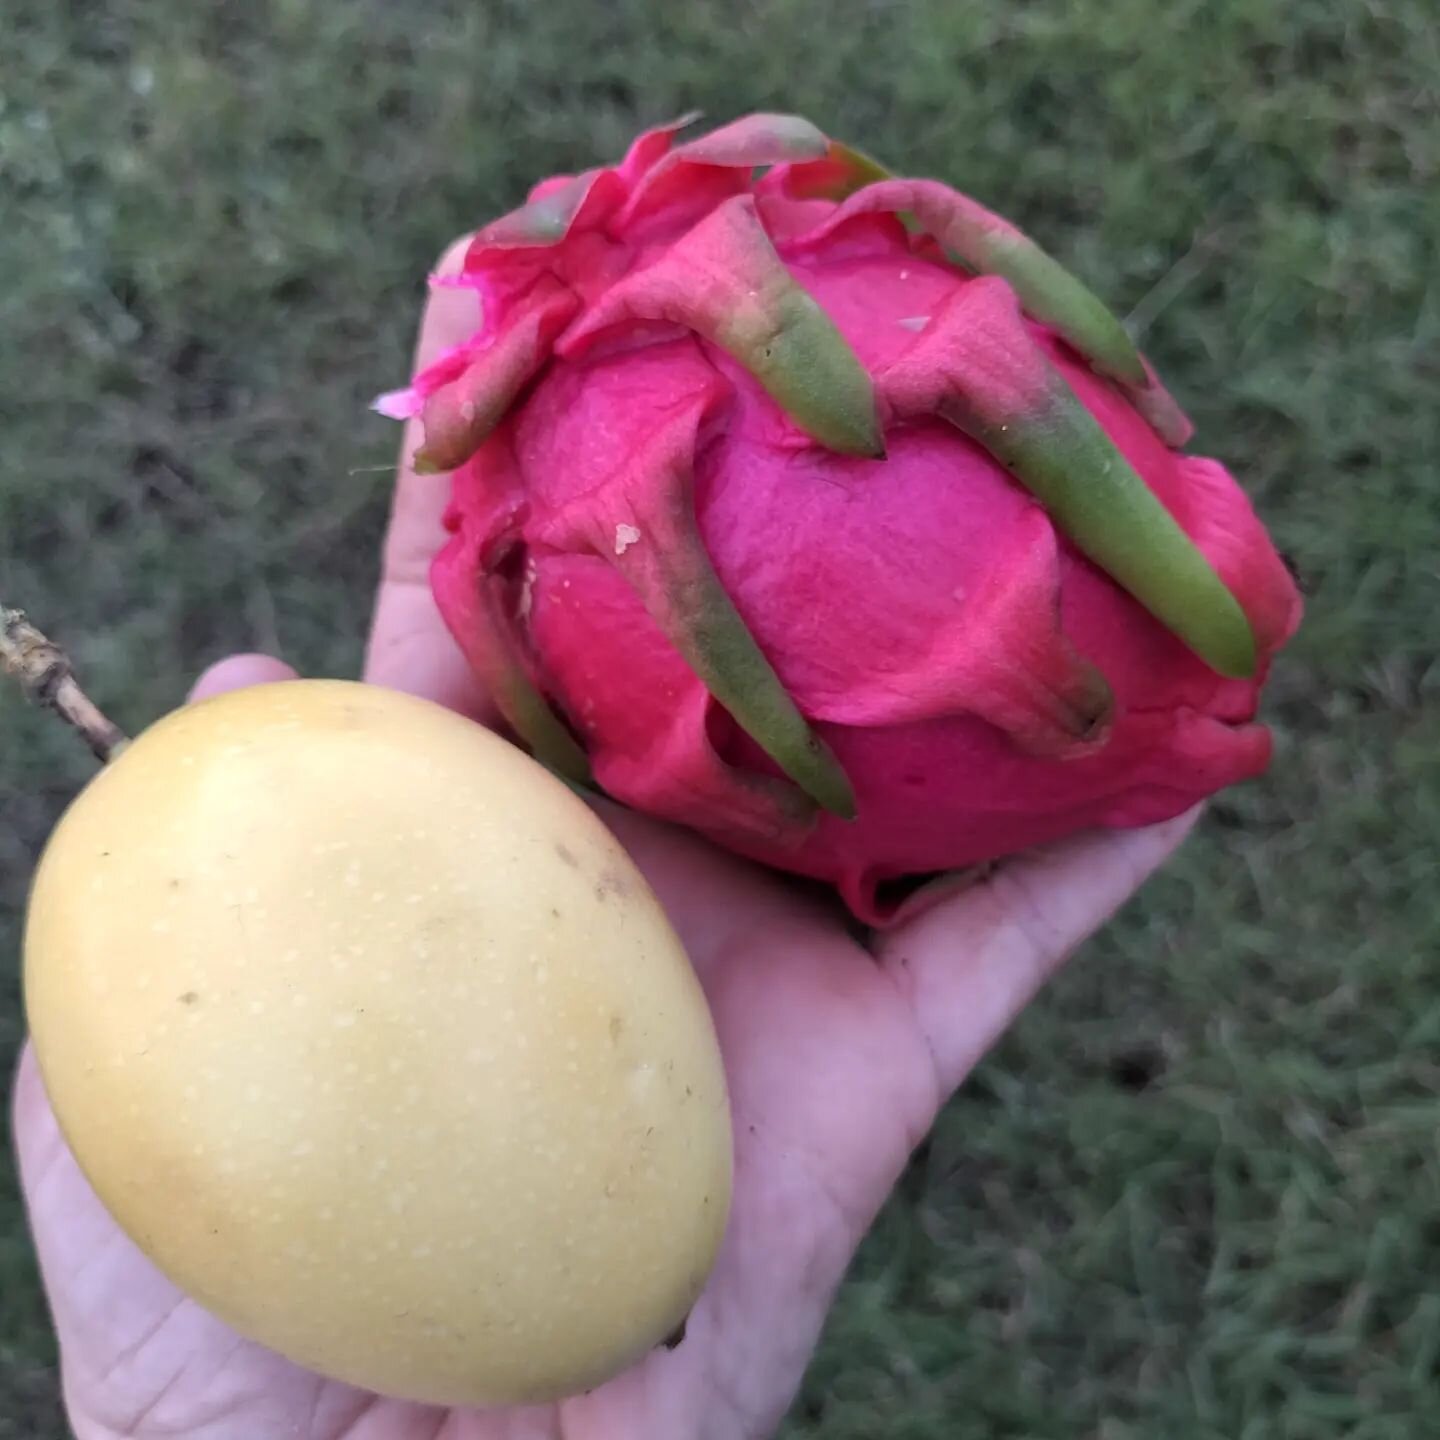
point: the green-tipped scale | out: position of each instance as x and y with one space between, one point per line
988 244
646 528
460 416
1022 411
530 716
724 280
491 649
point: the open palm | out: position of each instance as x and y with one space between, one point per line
838 1057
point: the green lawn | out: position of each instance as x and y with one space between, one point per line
1197 1193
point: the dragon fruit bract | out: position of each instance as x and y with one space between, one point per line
825 513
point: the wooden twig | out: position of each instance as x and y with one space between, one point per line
43 670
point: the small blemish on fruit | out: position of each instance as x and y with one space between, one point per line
189 998
617 1029
566 854
611 883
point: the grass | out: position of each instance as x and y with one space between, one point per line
1197 1192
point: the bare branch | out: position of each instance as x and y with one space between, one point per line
43 670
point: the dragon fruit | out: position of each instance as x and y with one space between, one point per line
823 512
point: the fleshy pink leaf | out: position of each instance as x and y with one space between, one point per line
836 175
643 521
724 281
473 603
977 365
990 245
697 176
460 414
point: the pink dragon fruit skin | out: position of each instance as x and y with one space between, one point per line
822 512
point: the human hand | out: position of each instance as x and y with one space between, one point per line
838 1057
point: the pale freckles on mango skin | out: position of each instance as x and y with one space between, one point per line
371 1036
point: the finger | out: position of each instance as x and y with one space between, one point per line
237 672
71 1228
131 1343
37 1138
410 648
74 1235
970 965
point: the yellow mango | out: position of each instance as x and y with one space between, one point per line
370 1035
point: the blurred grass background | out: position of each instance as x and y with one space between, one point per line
1197 1193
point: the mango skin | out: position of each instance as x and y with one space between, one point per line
369 1034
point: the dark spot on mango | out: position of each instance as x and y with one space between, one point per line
617 1029
566 854
611 883
434 928
189 998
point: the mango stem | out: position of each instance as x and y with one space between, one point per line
43 671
